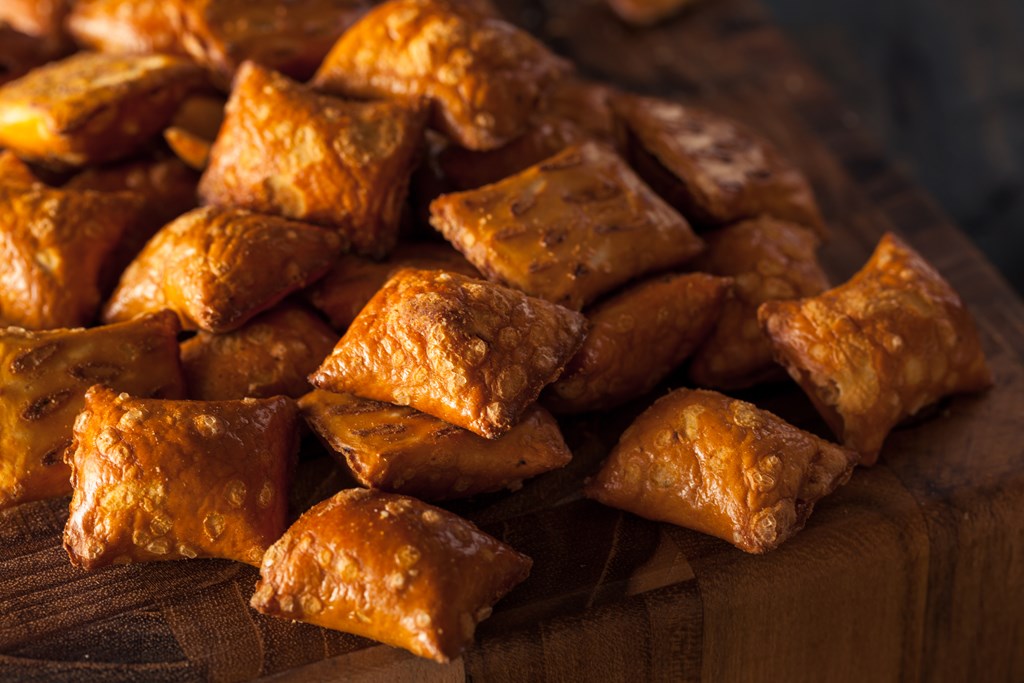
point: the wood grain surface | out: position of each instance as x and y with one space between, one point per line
914 570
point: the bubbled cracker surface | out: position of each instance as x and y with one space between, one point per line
722 466
568 229
469 352
880 347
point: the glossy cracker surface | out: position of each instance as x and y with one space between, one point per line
482 76
45 376
168 480
712 168
217 268
390 568
54 245
286 150
271 354
399 449
92 107
636 338
568 229
879 348
767 259
722 467
469 352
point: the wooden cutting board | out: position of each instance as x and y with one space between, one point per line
914 570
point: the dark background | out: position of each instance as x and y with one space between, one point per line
941 84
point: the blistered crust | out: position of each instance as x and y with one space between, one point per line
720 466
217 268
399 449
569 113
168 480
286 150
53 246
125 26
45 376
768 259
353 280
466 351
875 350
712 168
167 188
568 229
92 107
270 355
292 39
636 339
482 75
391 568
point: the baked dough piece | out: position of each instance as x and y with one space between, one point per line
167 188
292 38
469 352
570 112
568 229
875 350
168 480
271 354
636 338
286 150
398 449
53 244
217 268
720 466
45 376
92 107
712 168
353 280
647 12
768 259
125 26
390 568
482 75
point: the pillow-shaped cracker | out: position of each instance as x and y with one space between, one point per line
353 280
45 376
482 75
568 229
875 350
168 480
292 39
92 107
217 268
636 338
167 188
125 26
767 259
271 354
391 568
722 467
286 150
469 352
399 449
53 246
570 112
647 12
712 168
